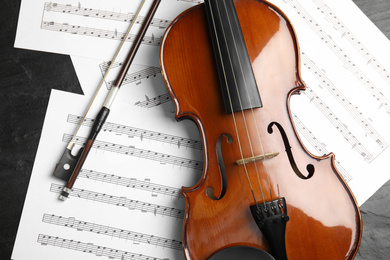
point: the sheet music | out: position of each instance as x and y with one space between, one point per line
92 28
126 202
345 108
347 91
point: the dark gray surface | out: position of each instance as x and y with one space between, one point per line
375 243
26 80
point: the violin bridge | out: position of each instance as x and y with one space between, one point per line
257 158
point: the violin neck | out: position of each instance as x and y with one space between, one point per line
239 88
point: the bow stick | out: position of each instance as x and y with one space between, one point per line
69 165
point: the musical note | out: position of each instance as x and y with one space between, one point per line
319 146
155 101
354 41
340 54
122 202
92 248
140 199
340 126
348 106
96 32
102 14
140 153
138 132
136 77
112 231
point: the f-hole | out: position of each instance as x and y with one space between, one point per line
310 167
221 165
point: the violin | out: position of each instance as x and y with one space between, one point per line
232 67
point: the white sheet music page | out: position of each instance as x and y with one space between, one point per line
126 202
92 28
345 109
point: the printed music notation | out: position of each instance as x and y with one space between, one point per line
130 204
150 71
154 101
354 41
140 133
102 14
135 77
59 242
91 248
139 153
193 1
347 105
63 27
340 126
75 20
135 237
96 32
145 185
340 54
319 146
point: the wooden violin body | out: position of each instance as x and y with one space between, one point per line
324 221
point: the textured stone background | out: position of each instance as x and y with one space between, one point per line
26 80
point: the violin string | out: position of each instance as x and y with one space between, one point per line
272 146
230 101
241 107
257 132
71 143
245 123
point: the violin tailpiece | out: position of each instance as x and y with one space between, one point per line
271 218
